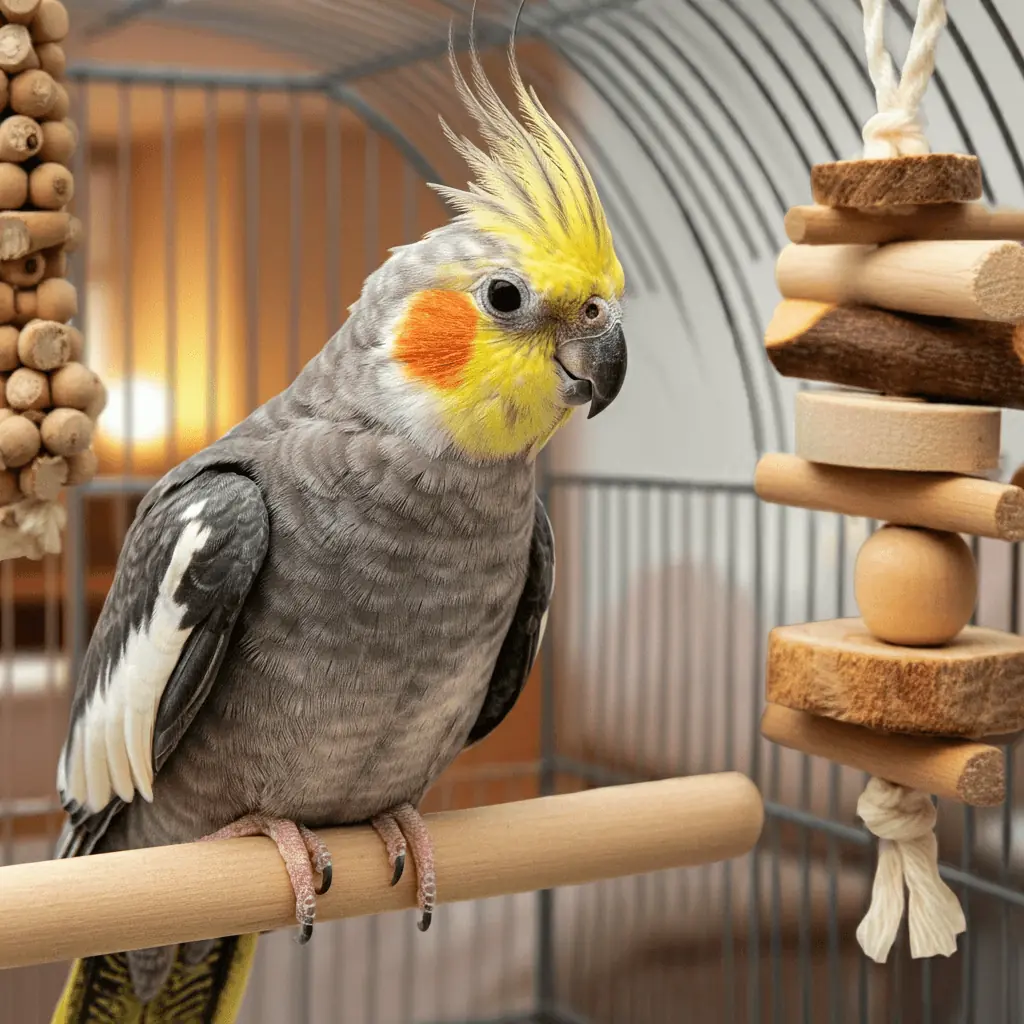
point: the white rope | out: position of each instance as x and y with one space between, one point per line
908 854
896 129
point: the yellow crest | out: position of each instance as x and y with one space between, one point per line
533 190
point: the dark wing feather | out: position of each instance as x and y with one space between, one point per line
186 568
519 649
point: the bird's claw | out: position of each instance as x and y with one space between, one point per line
326 877
399 868
424 922
402 829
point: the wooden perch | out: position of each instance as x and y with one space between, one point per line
957 360
938 501
881 432
971 279
163 895
899 181
972 688
26 231
823 225
971 773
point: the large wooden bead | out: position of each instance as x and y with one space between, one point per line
915 587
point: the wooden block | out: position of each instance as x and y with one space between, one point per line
20 12
13 187
51 23
20 138
862 347
825 225
915 587
900 181
24 273
59 142
971 773
33 93
16 51
27 231
972 688
51 186
970 279
52 59
941 501
883 432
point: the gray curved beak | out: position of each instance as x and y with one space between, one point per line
598 361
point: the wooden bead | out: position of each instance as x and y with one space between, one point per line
915 587
13 187
45 345
51 22
20 12
16 51
57 300
51 186
33 93
98 403
77 343
7 308
52 59
20 138
24 273
75 386
35 416
9 490
28 389
59 142
66 432
61 108
82 467
44 477
19 441
9 359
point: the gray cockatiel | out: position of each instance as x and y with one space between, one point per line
312 617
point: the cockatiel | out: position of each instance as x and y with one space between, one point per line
312 617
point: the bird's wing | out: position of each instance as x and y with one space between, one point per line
188 562
522 642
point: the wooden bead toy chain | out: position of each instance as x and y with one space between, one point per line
899 284
49 400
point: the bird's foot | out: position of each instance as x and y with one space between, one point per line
302 852
403 828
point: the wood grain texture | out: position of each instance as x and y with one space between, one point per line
980 280
846 428
973 688
825 225
929 357
162 895
940 501
971 773
900 181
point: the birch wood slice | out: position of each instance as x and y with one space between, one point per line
898 181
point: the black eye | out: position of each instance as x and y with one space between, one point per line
592 310
504 296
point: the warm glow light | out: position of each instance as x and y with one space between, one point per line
148 419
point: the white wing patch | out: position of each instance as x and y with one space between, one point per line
111 747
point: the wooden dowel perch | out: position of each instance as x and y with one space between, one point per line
862 347
201 890
823 225
938 501
970 279
971 773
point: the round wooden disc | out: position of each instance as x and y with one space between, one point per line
865 431
899 181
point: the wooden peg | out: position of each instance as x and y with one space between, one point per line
52 59
16 52
972 688
971 773
45 345
857 346
882 432
8 348
27 231
13 187
59 142
82 467
915 587
19 441
20 138
24 273
66 432
900 181
51 186
44 477
19 12
824 225
940 501
51 23
76 387
33 93
971 279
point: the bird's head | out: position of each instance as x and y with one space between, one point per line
510 316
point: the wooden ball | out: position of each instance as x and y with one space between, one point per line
77 343
33 93
56 299
66 432
915 587
82 467
8 348
44 477
51 23
76 387
52 59
51 186
26 272
13 186
28 389
44 345
20 138
19 441
59 142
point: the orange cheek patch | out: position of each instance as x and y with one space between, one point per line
437 335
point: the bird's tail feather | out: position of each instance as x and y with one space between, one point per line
99 990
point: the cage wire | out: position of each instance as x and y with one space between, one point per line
231 215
